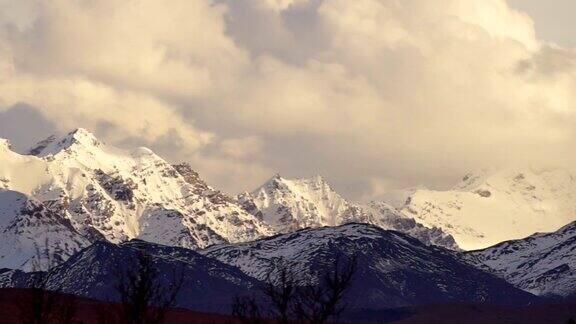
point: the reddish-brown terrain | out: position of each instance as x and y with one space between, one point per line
91 311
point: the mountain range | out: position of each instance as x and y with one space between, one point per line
92 206
72 191
393 269
76 190
289 205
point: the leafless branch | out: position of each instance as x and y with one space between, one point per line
43 301
144 299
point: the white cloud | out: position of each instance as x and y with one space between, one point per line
364 91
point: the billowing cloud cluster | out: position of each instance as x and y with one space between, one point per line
371 93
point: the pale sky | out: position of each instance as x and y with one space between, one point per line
372 94
555 20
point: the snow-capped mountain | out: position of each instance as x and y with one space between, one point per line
393 268
75 190
289 205
492 206
94 191
543 264
95 272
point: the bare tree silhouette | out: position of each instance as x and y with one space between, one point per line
246 310
290 301
43 301
144 298
280 289
323 301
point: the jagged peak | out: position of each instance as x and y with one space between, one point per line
276 177
81 136
52 144
5 145
186 170
277 182
381 204
320 177
272 181
39 147
192 177
243 196
314 179
81 132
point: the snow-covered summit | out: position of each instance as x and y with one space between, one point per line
106 192
495 205
4 145
292 204
54 145
288 205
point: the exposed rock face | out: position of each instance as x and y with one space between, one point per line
116 186
191 176
388 217
200 187
40 146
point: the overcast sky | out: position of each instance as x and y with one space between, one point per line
372 94
554 19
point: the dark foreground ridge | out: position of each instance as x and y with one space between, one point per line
395 274
393 268
207 284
